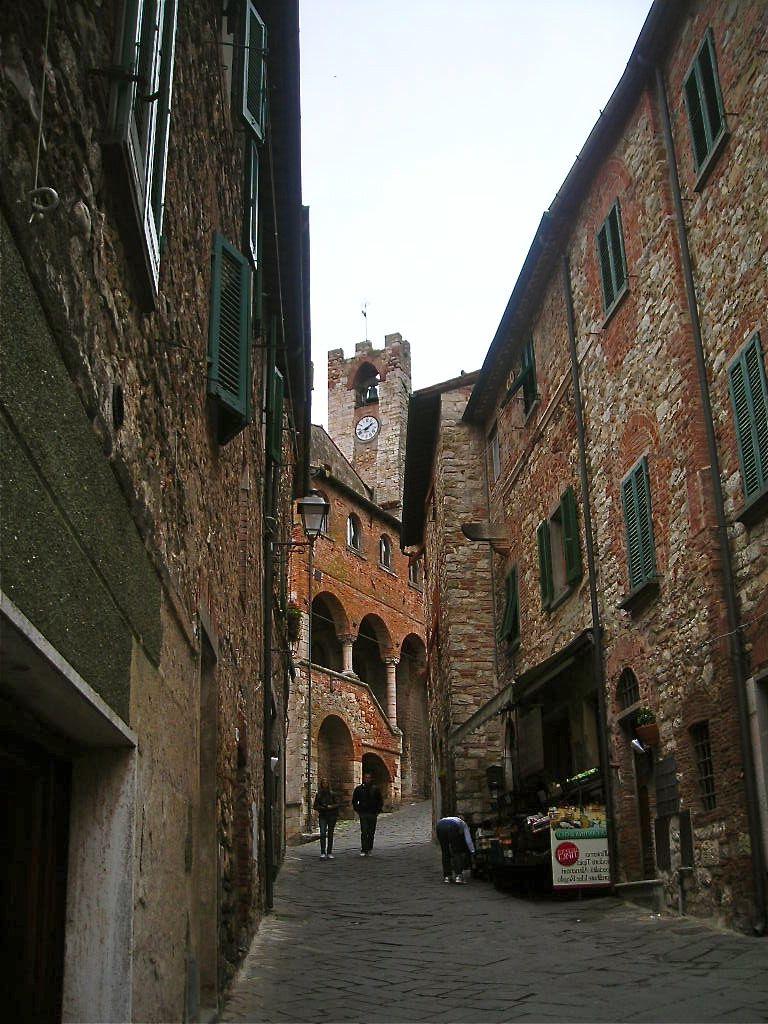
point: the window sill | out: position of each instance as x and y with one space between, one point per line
615 305
355 551
561 598
637 599
387 570
706 168
755 509
532 410
416 587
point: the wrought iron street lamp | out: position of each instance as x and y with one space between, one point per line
313 510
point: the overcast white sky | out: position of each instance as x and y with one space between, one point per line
435 134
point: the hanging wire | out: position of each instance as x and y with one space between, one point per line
43 200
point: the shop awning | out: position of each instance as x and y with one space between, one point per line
521 689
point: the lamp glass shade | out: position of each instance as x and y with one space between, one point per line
313 510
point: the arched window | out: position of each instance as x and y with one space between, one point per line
354 533
627 689
324 526
385 551
414 574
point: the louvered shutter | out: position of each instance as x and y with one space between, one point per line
275 421
253 83
616 240
545 563
636 498
605 266
696 118
704 102
749 395
571 543
229 337
510 627
645 520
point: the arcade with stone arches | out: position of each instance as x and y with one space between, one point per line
394 670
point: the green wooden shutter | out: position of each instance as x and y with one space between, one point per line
636 498
275 416
604 258
510 627
618 260
530 390
251 203
162 129
229 337
749 395
546 582
704 102
571 542
253 84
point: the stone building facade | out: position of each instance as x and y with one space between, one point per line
148 462
622 407
358 700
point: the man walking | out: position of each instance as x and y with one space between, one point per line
327 807
367 801
455 843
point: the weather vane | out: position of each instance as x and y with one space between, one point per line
364 311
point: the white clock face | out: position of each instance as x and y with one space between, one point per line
367 428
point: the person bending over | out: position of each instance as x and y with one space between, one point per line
455 844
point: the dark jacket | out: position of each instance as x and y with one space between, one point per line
327 803
367 799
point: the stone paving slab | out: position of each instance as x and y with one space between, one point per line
382 939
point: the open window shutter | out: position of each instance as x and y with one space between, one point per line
634 558
616 241
645 520
545 563
251 205
254 72
571 543
510 627
229 337
275 422
605 266
749 396
710 90
529 374
167 53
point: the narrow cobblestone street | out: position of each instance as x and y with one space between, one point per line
383 939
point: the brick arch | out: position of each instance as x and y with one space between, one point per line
418 642
639 437
336 757
341 620
381 631
364 358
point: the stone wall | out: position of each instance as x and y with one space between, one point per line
193 507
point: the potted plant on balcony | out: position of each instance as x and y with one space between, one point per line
647 727
293 622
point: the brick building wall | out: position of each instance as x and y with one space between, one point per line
641 398
138 437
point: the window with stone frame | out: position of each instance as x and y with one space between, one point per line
749 396
559 544
385 552
612 259
704 104
354 533
703 750
510 624
139 121
627 689
494 453
414 573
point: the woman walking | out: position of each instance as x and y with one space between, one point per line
327 806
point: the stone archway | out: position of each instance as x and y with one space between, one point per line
329 622
336 760
373 763
413 718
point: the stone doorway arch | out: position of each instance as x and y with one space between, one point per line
336 761
375 765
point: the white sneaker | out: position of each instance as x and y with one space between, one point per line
322 856
458 880
363 854
447 879
330 857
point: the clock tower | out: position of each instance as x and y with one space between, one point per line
368 413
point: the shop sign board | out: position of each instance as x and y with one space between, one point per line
579 845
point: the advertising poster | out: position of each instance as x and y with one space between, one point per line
579 844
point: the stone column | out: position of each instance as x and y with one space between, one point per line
391 664
346 641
